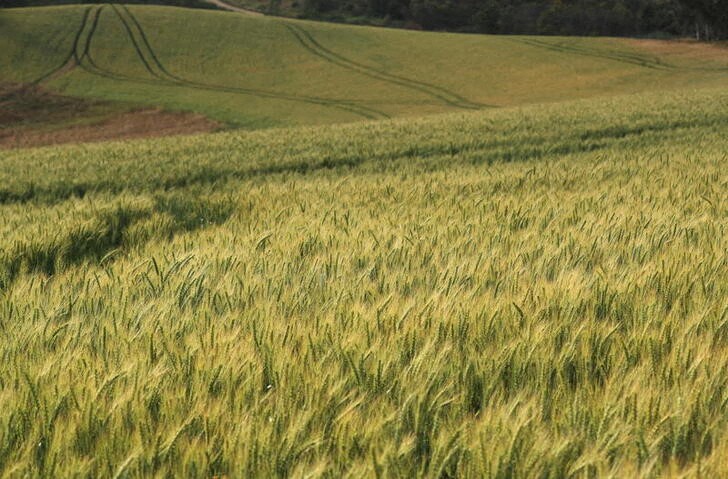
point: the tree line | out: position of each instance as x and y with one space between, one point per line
704 19
37 3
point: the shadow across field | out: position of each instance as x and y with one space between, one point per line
483 151
112 230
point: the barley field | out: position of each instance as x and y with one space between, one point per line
526 292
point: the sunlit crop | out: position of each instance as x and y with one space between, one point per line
536 292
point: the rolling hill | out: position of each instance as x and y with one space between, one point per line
432 255
256 72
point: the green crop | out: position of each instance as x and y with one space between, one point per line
530 292
259 72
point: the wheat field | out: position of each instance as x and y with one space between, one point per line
527 292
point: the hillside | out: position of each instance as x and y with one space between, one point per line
535 291
257 72
357 252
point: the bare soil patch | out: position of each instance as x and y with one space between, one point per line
31 116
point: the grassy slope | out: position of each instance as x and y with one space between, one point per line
257 72
526 291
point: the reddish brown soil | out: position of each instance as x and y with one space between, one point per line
30 116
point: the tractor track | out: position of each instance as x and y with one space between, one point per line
69 62
308 42
632 59
80 57
88 64
618 57
134 42
156 68
142 45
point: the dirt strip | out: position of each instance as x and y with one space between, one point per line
233 8
123 126
31 116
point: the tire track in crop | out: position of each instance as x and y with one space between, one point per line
350 107
632 59
156 68
308 42
89 36
623 57
81 57
142 45
68 64
88 64
137 47
71 60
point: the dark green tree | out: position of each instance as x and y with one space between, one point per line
711 18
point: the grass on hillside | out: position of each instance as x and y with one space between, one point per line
256 72
532 292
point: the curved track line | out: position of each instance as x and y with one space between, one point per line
88 64
93 67
624 57
618 57
86 54
146 45
134 42
69 62
71 59
156 68
312 45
